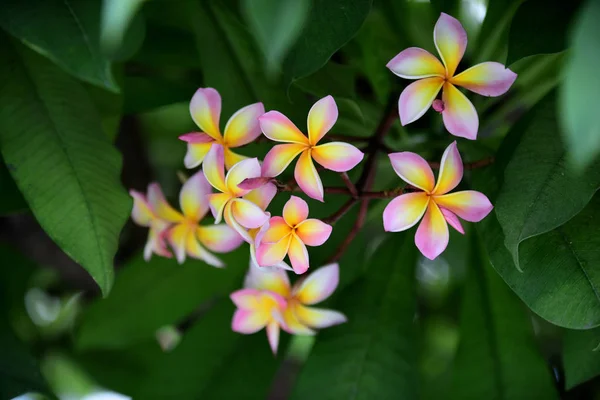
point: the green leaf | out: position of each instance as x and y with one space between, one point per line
447 6
540 27
559 282
498 356
121 32
209 358
147 296
492 38
540 192
65 31
333 79
579 91
331 24
276 25
372 356
581 359
65 166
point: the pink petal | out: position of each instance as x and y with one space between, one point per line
452 220
269 254
337 156
298 255
413 169
275 281
273 335
232 158
307 177
196 152
249 168
205 109
141 212
313 232
278 229
319 318
214 168
432 234
460 117
416 99
195 250
246 299
217 202
196 138
248 214
219 238
450 41
193 196
156 243
416 63
321 118
295 211
160 206
279 157
234 224
248 322
487 79
470 205
318 286
263 195
253 183
177 237
451 170
293 324
279 128
404 211
243 127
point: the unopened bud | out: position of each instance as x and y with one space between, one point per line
438 105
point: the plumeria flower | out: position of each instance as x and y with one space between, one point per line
434 202
460 117
298 317
290 235
242 209
143 215
257 235
258 309
242 128
187 236
335 156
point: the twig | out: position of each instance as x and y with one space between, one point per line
349 184
333 218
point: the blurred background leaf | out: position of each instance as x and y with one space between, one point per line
61 160
580 355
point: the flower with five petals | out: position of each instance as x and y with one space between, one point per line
187 236
242 209
437 207
143 215
299 317
242 128
460 117
290 235
335 156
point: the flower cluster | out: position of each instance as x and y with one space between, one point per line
238 190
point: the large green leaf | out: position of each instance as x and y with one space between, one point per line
65 166
581 84
209 363
491 40
558 281
330 25
540 27
147 296
276 25
12 200
540 192
372 356
65 31
581 358
498 357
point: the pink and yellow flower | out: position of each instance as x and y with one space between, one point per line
242 209
460 117
290 235
187 236
437 207
242 128
143 215
269 300
335 156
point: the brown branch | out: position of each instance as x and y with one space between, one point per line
333 218
349 184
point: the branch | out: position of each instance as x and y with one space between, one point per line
349 184
333 218
472 165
